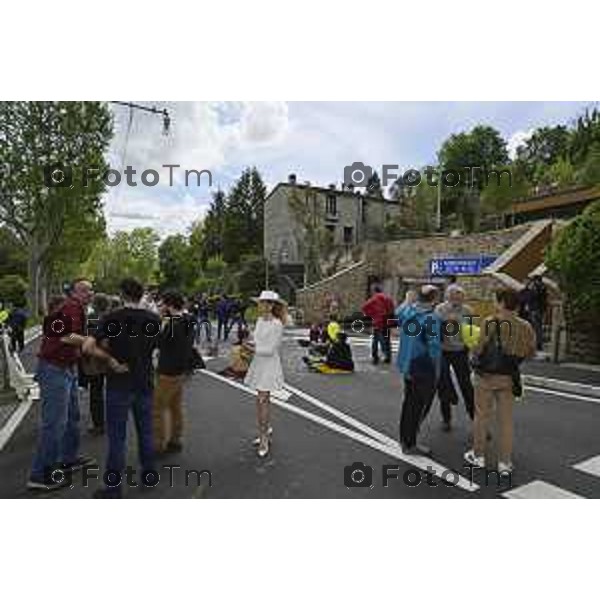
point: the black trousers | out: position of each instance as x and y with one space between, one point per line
419 392
222 326
459 361
96 383
17 339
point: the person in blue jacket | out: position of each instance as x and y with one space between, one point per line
419 362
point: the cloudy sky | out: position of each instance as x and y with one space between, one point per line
315 140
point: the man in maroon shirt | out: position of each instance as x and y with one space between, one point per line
58 441
380 307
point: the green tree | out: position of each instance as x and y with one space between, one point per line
584 136
243 223
497 199
589 174
214 227
374 186
560 174
545 147
175 262
423 207
13 256
471 154
13 289
126 254
575 256
312 237
35 137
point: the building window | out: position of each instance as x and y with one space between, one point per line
348 237
331 205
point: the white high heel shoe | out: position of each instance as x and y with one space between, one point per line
256 440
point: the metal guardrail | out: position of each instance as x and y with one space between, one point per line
20 388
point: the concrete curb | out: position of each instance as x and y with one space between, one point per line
560 385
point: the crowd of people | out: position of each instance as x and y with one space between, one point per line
442 352
133 353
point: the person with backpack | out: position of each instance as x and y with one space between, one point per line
176 345
419 362
505 340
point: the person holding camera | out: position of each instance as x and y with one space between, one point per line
419 361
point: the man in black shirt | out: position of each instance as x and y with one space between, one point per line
176 346
130 334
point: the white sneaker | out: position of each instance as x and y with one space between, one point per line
505 467
473 459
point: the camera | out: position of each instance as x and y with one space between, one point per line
357 174
358 475
58 176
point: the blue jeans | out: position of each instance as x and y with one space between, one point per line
118 404
58 438
381 337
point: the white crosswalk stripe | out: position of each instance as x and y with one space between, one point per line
591 466
540 490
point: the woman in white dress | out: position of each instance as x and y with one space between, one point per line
265 374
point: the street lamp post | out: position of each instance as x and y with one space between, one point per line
152 109
266 272
439 203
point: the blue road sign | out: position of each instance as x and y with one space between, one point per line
460 265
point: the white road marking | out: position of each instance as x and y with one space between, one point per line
420 462
14 421
381 437
540 490
562 394
590 466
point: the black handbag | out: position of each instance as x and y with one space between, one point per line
493 359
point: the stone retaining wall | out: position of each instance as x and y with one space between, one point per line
398 263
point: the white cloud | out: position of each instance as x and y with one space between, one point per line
518 138
203 135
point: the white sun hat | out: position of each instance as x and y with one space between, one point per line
269 296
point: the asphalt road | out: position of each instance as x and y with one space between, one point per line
327 423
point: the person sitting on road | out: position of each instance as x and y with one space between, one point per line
240 356
315 333
338 359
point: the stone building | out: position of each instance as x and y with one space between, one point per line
342 217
